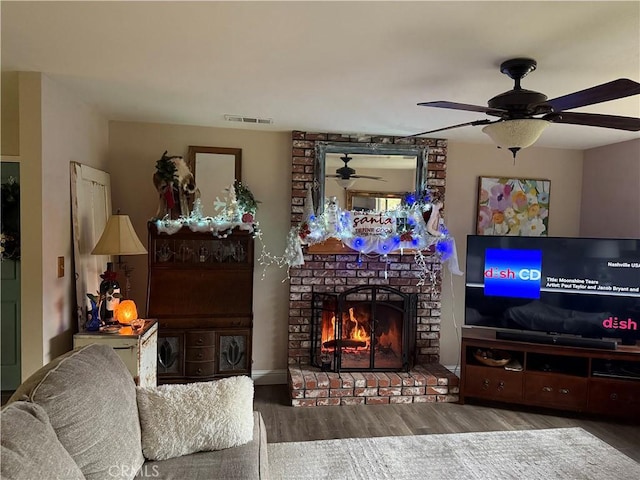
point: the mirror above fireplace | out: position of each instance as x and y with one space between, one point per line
365 200
394 168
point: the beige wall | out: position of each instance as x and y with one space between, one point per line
266 171
72 132
31 254
465 163
55 128
9 120
611 186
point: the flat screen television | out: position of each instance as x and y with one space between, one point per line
571 291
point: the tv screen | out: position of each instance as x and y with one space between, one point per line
577 286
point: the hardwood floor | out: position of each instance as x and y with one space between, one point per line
296 424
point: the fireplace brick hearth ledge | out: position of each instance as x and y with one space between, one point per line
310 387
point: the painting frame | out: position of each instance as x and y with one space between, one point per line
513 206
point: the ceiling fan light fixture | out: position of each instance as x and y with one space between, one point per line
520 133
345 182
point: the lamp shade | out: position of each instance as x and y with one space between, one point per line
345 182
519 133
119 238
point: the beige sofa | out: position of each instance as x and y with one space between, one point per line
77 417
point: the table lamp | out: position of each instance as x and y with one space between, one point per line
119 238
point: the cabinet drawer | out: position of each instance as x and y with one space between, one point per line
615 397
556 390
199 369
200 339
200 354
495 383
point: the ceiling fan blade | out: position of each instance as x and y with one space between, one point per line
620 88
369 177
595 120
464 106
467 124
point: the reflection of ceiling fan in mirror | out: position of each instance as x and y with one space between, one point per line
524 114
346 176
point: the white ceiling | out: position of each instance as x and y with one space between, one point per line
352 67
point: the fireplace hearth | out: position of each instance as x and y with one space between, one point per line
367 328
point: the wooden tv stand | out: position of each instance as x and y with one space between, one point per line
590 380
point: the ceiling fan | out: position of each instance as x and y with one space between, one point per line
345 176
524 114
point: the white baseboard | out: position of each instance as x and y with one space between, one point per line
269 377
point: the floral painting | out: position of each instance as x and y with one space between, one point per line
513 206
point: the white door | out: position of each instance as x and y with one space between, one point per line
90 208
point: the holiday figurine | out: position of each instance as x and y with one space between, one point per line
197 213
109 295
308 206
332 212
93 322
233 211
433 224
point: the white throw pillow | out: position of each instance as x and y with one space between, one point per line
185 418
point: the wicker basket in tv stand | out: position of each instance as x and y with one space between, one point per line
577 379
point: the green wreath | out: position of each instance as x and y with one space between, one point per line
10 220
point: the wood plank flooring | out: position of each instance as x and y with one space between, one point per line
297 424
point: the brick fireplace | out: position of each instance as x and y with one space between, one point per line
333 270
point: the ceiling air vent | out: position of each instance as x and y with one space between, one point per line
242 119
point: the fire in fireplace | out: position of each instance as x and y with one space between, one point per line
363 329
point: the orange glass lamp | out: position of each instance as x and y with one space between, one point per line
126 312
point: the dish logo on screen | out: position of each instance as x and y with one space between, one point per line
512 273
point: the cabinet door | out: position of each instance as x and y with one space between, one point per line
233 352
494 383
170 354
615 397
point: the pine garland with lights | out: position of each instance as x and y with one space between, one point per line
245 198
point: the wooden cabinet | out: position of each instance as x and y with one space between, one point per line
137 349
604 382
201 290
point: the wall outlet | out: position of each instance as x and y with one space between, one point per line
60 267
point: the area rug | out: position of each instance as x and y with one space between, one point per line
559 453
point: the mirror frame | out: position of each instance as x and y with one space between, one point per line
322 148
370 194
236 152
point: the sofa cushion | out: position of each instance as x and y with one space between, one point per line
90 399
248 461
30 447
194 417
